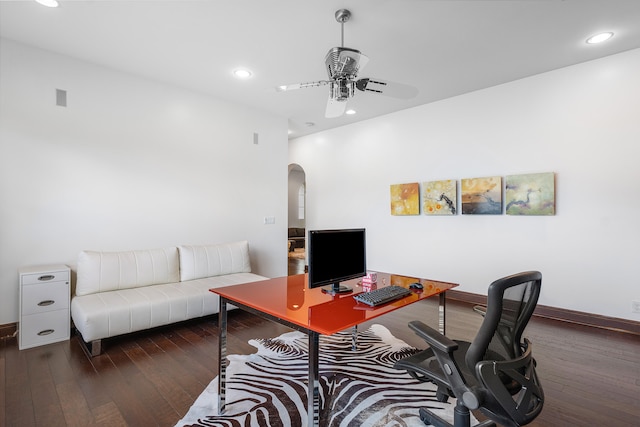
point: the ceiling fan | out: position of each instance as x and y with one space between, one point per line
343 65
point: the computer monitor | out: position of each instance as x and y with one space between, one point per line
336 256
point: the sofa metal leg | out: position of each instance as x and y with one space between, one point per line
93 348
96 347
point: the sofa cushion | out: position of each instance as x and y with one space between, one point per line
197 262
112 271
108 314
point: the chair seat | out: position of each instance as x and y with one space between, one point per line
424 366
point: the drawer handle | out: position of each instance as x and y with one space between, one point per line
46 332
46 277
46 303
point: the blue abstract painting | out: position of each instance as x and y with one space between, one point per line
482 196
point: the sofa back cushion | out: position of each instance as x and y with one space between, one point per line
197 262
296 232
111 271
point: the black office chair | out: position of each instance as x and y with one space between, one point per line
496 372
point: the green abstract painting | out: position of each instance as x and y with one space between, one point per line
532 194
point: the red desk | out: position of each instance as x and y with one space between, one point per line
289 301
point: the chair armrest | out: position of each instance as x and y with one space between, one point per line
443 349
434 338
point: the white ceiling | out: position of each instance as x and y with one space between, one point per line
443 47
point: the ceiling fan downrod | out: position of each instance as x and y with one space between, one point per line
342 16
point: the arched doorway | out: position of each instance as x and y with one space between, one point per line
297 231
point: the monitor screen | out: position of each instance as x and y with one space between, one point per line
336 256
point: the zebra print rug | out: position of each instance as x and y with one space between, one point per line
361 388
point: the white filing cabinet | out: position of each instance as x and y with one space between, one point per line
45 293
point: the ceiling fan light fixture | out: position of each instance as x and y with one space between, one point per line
242 73
599 38
342 89
49 3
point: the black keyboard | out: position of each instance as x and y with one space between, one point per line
382 295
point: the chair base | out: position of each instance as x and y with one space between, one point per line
461 418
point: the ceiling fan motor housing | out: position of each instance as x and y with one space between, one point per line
342 62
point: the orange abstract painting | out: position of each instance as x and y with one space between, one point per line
405 199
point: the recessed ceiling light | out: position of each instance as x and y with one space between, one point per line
242 73
599 38
48 3
350 112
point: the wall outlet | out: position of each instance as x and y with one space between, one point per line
635 306
269 219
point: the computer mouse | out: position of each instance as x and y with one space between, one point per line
416 286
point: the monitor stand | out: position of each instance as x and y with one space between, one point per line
336 288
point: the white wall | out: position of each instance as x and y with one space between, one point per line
129 164
581 122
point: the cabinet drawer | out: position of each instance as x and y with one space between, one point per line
44 328
45 277
45 297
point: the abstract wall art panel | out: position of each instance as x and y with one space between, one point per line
439 197
482 196
405 199
532 194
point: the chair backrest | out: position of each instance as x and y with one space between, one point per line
500 359
510 304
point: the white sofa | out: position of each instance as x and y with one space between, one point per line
121 292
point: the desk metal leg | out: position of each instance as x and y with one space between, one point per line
354 338
222 356
313 394
441 312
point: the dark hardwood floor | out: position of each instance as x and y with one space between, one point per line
591 377
296 266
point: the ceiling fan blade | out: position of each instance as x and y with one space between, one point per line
286 88
335 108
387 88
